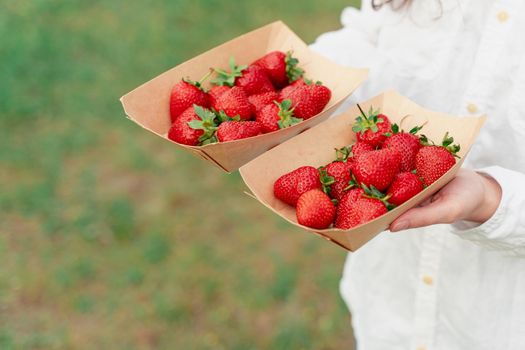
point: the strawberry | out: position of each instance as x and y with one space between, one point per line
234 130
292 185
404 186
253 79
260 101
336 178
353 151
315 209
185 94
281 68
194 126
308 99
288 90
355 209
215 92
234 102
276 116
359 148
372 128
353 194
377 168
407 144
432 162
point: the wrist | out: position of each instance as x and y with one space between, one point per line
491 199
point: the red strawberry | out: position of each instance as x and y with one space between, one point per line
260 101
194 126
372 128
308 99
185 94
315 209
335 178
292 185
359 148
354 209
353 151
234 130
276 116
432 162
377 168
252 79
215 92
405 186
353 194
407 144
234 102
347 154
280 67
288 90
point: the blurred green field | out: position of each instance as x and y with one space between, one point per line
110 238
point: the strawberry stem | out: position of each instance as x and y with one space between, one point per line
362 112
205 77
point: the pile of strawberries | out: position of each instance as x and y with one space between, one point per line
384 168
268 95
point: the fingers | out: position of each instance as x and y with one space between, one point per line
438 211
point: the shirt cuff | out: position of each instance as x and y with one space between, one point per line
491 233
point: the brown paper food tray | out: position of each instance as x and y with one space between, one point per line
148 105
315 147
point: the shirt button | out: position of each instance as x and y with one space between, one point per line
503 16
428 280
472 108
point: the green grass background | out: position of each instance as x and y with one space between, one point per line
111 238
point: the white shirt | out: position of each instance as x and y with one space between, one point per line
445 287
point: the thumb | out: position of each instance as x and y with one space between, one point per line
438 211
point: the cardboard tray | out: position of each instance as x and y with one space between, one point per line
315 147
148 105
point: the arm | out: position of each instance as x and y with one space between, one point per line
485 207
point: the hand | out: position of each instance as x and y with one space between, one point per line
469 196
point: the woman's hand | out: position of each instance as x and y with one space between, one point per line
469 196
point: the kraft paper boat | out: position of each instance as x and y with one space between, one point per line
315 147
148 105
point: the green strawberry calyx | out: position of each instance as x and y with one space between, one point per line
311 82
448 143
286 114
351 184
342 154
326 180
223 117
292 71
366 122
397 130
198 84
374 193
228 78
207 123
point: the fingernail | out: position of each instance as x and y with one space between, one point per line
400 226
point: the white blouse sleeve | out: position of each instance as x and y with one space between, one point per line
505 230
